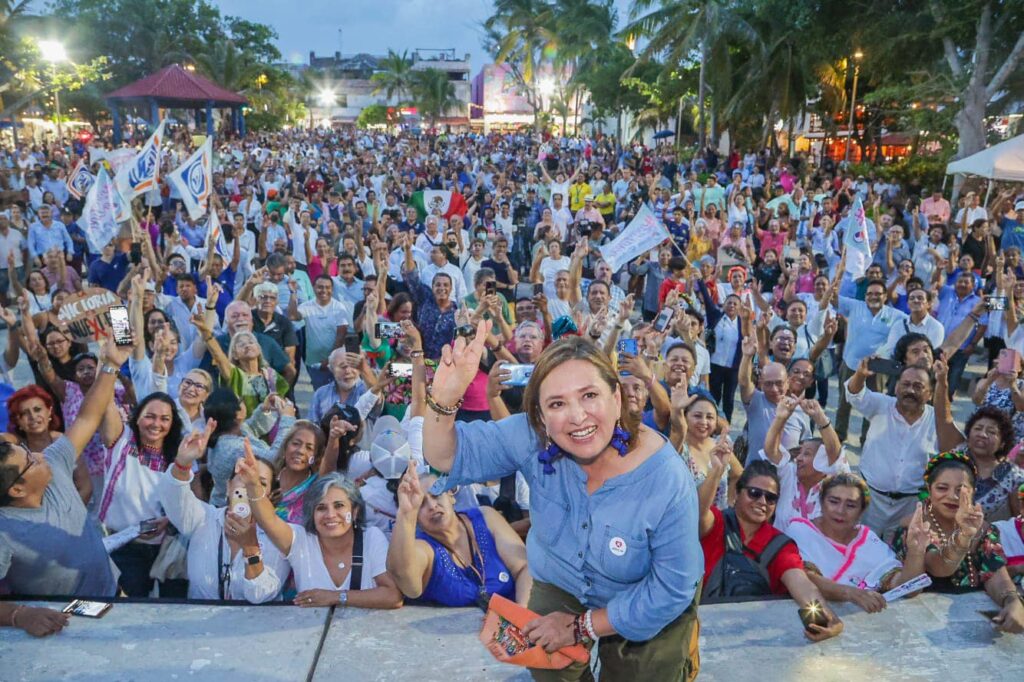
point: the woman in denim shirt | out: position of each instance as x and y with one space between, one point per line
613 549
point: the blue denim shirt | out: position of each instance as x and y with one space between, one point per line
867 332
632 546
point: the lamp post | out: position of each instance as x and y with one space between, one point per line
857 56
53 52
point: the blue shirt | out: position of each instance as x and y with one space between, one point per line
108 275
326 397
1013 233
42 239
632 546
436 326
952 311
867 331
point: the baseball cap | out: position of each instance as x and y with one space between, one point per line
389 450
589 197
1019 206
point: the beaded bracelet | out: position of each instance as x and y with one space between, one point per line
443 410
588 625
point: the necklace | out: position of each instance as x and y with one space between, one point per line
972 573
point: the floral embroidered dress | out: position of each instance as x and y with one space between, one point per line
1002 399
973 572
94 452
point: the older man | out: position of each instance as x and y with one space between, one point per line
46 234
238 318
269 322
761 403
346 388
901 439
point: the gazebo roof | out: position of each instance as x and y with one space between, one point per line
174 86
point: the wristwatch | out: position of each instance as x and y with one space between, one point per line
254 559
109 369
343 598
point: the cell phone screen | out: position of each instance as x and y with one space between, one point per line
352 344
120 326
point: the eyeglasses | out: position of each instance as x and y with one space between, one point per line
757 493
188 383
31 462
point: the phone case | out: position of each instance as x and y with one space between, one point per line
88 609
503 636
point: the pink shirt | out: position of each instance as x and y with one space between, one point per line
930 207
773 242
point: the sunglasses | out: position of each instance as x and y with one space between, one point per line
757 493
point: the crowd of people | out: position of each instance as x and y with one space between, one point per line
407 373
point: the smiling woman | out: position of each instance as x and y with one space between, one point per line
612 548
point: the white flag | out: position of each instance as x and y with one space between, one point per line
80 181
642 234
142 174
194 179
855 239
104 209
214 233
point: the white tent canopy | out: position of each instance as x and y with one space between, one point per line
1004 161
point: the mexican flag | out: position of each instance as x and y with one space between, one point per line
449 203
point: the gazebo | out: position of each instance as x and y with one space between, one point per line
174 87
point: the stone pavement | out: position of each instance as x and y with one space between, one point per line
929 637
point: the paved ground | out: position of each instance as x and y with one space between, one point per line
929 637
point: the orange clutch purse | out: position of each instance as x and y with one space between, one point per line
503 636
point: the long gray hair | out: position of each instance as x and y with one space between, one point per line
318 491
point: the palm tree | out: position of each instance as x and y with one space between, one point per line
584 29
395 76
518 33
683 29
228 66
433 94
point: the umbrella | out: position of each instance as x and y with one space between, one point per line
662 134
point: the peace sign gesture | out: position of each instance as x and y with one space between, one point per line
458 366
193 445
969 516
410 493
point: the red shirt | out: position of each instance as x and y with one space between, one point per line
713 545
668 284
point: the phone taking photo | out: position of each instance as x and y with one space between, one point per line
120 325
400 370
388 330
664 319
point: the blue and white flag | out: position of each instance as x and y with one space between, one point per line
855 240
642 234
194 179
104 209
216 234
143 172
80 181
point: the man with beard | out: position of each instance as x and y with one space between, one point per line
346 389
897 448
761 403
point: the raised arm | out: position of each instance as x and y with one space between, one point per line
945 428
706 494
220 358
279 532
99 397
409 560
746 372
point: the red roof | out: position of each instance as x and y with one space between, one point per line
175 84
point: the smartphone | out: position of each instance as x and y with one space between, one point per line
135 253
388 330
1009 362
538 289
400 370
664 319
813 614
520 374
467 331
240 503
490 288
995 303
352 343
89 609
628 346
120 326
885 366
148 526
526 290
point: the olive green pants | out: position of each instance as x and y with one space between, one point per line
672 655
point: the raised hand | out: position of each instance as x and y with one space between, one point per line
919 532
410 493
626 308
458 366
786 407
831 325
249 470
193 445
749 345
941 372
969 516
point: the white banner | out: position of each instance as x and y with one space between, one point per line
104 209
855 239
80 181
142 174
642 234
119 158
194 179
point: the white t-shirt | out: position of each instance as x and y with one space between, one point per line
308 561
549 269
322 323
134 497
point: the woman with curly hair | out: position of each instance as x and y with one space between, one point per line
987 438
964 553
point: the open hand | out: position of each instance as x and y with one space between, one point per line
969 516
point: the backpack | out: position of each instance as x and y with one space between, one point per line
736 574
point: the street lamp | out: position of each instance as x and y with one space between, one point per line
53 52
857 56
325 98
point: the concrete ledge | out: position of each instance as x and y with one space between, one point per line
929 637
169 641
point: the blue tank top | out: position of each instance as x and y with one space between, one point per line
453 585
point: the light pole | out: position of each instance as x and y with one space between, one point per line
857 56
53 52
325 98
